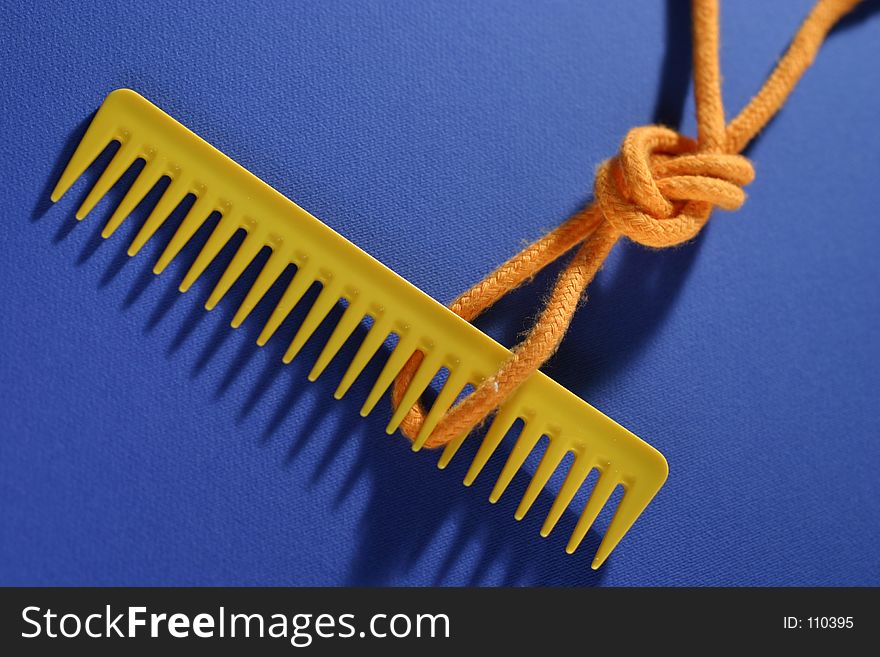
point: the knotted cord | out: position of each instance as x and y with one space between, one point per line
659 191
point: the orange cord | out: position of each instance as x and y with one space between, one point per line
659 190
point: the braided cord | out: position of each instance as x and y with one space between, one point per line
659 191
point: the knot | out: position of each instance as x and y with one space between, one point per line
660 189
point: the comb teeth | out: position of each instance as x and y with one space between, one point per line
351 319
172 197
274 267
450 391
321 255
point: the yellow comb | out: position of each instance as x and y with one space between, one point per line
370 289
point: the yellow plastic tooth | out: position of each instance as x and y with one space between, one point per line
633 502
404 348
274 267
171 198
141 186
549 462
575 478
450 450
350 320
245 255
450 391
598 497
524 445
122 159
223 232
327 298
374 339
220 184
199 212
97 137
421 380
302 281
504 418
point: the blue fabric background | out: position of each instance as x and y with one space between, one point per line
144 442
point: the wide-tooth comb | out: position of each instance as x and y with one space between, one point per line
371 289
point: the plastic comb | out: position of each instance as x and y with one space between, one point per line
370 289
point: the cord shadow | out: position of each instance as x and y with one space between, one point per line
675 69
864 11
626 306
857 16
621 314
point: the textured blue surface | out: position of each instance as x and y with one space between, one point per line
144 442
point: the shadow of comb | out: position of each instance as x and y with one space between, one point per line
440 518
